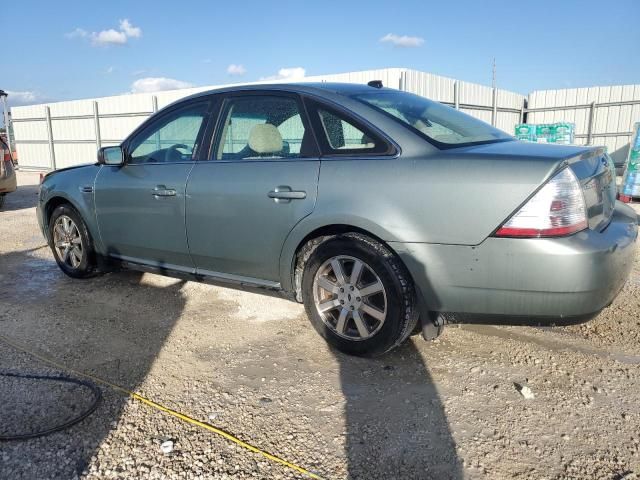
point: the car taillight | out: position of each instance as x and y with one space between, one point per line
557 209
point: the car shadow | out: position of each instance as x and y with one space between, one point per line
26 196
112 326
396 426
115 326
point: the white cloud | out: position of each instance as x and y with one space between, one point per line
27 97
110 36
77 33
234 69
129 30
206 60
402 40
291 74
157 84
110 69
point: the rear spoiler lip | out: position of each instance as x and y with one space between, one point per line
589 151
577 153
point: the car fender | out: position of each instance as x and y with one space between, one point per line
75 186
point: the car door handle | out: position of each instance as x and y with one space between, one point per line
162 191
284 194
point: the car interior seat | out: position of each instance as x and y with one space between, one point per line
265 140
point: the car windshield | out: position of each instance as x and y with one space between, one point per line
442 125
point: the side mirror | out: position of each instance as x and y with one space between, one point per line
111 156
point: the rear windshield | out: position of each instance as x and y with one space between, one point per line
442 125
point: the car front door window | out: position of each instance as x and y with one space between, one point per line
170 140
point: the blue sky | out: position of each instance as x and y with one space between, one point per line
78 49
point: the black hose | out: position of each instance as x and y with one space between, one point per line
97 396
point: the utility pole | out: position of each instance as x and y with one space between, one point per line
3 97
493 76
494 94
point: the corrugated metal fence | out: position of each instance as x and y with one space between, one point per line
602 115
62 134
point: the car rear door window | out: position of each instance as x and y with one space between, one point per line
341 135
257 127
174 138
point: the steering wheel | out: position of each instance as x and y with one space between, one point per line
172 151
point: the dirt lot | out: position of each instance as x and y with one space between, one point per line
253 366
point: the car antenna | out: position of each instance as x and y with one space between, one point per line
375 83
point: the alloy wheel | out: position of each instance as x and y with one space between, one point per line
350 297
68 241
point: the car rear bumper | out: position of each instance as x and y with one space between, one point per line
528 280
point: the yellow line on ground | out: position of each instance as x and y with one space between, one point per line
164 409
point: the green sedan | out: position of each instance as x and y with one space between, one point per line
385 213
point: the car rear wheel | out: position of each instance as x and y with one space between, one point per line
71 243
358 295
1 199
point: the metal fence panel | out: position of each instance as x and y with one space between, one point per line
507 121
69 154
117 128
71 108
616 108
35 130
74 129
37 155
136 102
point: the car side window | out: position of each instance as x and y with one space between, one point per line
173 139
258 127
341 135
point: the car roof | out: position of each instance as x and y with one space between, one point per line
318 88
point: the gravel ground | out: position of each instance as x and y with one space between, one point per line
254 366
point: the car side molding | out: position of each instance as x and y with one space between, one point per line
238 282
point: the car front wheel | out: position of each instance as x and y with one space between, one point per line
358 295
71 243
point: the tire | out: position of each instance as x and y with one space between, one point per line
2 195
76 263
351 319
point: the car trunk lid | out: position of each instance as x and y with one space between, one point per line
531 165
596 172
